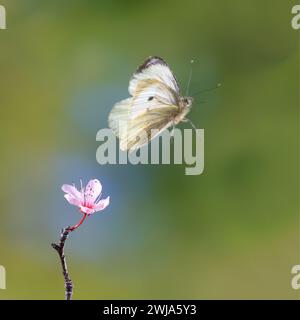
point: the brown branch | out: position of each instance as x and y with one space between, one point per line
60 250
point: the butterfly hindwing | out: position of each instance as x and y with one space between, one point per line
119 115
143 128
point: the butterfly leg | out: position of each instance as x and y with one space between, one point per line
190 121
172 132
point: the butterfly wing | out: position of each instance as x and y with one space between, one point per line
153 105
145 127
119 117
133 119
154 68
152 94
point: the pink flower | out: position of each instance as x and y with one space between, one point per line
88 198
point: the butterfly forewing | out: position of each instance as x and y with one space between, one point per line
154 68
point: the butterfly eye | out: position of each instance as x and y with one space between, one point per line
150 98
187 101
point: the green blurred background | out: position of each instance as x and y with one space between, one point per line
231 232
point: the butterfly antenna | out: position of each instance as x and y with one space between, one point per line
190 79
209 89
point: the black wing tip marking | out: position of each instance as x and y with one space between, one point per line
150 61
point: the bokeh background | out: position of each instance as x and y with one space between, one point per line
231 232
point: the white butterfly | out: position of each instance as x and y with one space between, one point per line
155 103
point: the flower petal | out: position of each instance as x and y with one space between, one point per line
101 205
73 200
92 191
67 188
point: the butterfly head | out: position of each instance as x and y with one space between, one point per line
187 101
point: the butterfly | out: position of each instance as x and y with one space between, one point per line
155 105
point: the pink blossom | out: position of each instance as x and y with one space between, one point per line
87 199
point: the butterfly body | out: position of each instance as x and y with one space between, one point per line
185 104
155 105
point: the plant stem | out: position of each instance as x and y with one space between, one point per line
60 250
79 223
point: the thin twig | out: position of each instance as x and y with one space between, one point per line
60 250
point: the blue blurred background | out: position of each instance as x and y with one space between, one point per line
231 232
